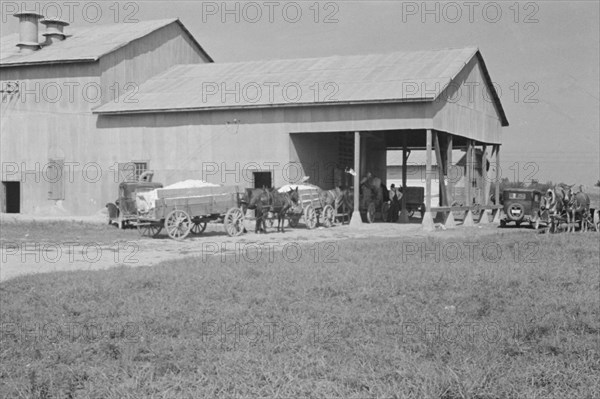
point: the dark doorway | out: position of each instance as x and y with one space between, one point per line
262 179
12 196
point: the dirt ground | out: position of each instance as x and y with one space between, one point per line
136 251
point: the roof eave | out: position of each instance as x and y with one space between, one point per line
495 96
193 39
261 106
32 63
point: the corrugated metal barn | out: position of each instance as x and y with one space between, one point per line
248 123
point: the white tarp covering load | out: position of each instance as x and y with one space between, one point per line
301 187
190 184
145 201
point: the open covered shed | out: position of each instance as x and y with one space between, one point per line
323 115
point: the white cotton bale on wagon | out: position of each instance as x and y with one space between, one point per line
146 201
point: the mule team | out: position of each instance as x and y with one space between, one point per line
265 201
564 204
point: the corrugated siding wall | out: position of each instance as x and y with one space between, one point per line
466 108
50 119
134 64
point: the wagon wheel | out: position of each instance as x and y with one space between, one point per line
293 220
198 227
328 215
234 222
178 224
310 217
149 229
371 212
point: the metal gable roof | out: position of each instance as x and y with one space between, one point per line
395 77
83 44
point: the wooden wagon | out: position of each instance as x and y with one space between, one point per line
188 210
372 205
312 209
415 200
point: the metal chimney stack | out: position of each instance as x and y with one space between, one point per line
54 30
28 31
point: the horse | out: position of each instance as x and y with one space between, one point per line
550 203
554 203
578 205
254 199
270 200
332 197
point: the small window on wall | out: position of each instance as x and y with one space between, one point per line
131 171
54 176
140 168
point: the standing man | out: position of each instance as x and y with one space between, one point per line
395 205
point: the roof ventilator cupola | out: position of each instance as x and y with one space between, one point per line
28 31
54 30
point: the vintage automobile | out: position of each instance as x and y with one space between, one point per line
124 211
521 205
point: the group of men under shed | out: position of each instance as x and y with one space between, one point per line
373 186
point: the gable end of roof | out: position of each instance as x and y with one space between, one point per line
58 57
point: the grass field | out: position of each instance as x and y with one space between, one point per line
61 231
505 316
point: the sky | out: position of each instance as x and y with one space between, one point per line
543 56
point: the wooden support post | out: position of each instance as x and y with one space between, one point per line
468 221
497 184
403 212
485 214
428 217
497 181
468 173
450 170
428 171
438 157
356 220
484 174
363 157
